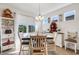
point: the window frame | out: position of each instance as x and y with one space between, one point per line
70 15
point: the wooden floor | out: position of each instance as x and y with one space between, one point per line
51 47
61 51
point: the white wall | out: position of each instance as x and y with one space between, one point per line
68 26
21 20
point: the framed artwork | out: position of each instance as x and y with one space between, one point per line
22 28
31 28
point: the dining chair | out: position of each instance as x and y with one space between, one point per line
23 44
54 34
38 45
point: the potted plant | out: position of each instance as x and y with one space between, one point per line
58 30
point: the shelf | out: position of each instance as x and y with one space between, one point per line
7 38
7 22
7 47
7 33
7 18
6 43
10 26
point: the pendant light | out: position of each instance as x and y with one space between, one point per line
39 17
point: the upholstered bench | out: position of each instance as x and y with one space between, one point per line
71 42
72 39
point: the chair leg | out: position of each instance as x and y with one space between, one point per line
65 45
46 51
23 50
75 49
20 49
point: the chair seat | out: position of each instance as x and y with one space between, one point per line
25 38
71 40
38 51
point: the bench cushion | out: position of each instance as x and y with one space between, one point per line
71 40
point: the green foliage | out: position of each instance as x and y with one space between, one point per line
22 28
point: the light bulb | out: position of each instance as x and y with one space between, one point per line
39 18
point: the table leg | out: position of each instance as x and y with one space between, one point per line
65 45
75 48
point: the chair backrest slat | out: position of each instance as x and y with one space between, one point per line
38 41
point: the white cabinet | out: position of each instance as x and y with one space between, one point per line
60 39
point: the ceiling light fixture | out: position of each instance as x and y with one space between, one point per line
39 17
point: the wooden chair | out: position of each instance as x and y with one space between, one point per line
38 45
22 44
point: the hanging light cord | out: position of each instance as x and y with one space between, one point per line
39 9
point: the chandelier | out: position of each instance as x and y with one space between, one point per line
39 17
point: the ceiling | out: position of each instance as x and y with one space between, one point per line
32 9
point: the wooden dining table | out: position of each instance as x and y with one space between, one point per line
27 40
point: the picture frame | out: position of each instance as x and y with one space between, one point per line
22 28
31 28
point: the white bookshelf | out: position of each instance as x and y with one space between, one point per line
5 37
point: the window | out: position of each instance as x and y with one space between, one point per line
45 21
55 18
69 15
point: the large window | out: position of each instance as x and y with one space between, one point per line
70 15
55 18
